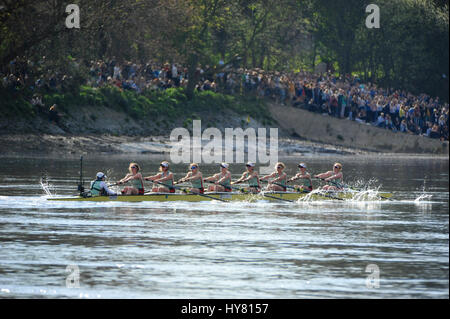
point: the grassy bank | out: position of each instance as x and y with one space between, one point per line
166 106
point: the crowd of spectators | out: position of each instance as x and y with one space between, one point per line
342 97
349 98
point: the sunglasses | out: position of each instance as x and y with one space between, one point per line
134 167
193 167
279 167
338 167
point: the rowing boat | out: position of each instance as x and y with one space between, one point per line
220 196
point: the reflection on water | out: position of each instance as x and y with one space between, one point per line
224 250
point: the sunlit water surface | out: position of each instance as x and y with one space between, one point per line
225 250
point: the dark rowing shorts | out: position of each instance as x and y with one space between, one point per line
228 189
202 190
171 190
141 191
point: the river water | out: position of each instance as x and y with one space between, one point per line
329 249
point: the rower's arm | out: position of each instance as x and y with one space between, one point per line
324 175
182 180
332 177
280 178
220 181
198 176
294 178
240 180
107 190
212 178
193 178
125 179
152 178
167 178
268 176
303 176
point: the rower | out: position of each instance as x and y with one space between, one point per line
165 177
136 180
195 177
303 175
335 176
252 177
221 180
279 177
99 187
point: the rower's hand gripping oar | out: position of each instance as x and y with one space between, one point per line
115 184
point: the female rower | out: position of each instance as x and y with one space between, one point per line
221 180
278 183
305 177
163 180
334 177
195 177
136 180
252 177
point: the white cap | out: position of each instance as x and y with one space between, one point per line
165 164
302 165
224 165
100 175
250 164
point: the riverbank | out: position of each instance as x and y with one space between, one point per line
110 121
67 146
325 129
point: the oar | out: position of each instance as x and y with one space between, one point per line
179 188
111 185
277 198
225 186
80 184
273 197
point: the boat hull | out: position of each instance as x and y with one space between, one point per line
158 197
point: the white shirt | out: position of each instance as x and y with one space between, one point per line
105 187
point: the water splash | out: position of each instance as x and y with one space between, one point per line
46 187
317 194
423 197
361 184
370 194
